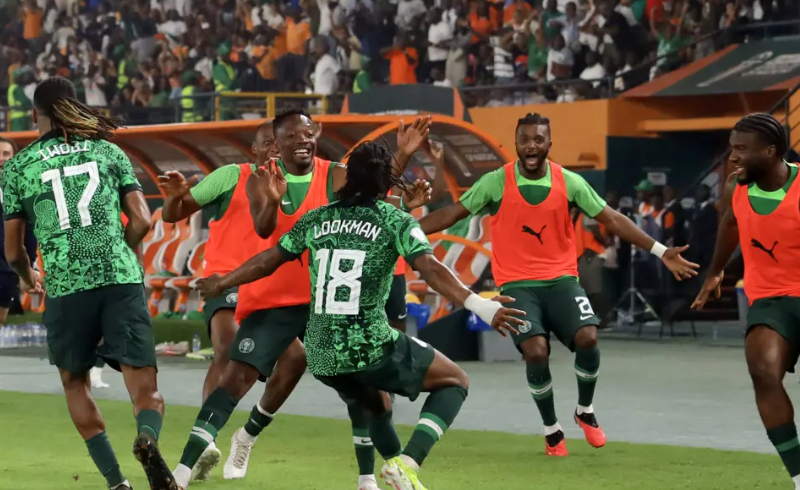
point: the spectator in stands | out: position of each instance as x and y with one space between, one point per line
225 81
485 42
403 62
326 69
440 36
20 104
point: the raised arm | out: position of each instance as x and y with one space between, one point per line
265 188
179 204
727 242
409 140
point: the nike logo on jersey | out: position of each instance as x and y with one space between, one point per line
537 234
402 317
286 203
585 317
769 251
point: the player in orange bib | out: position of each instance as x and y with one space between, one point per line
225 201
534 261
762 216
272 313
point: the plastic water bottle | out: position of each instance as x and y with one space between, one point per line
38 335
26 339
196 343
4 331
13 338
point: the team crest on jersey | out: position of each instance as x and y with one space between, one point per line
246 346
419 235
232 298
525 328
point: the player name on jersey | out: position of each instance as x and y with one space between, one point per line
63 149
366 229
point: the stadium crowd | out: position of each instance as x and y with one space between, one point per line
144 53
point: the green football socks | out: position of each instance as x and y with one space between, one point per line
104 458
149 422
438 413
541 385
365 451
587 367
784 438
258 421
212 418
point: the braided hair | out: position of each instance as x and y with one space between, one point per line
56 99
370 175
535 119
766 126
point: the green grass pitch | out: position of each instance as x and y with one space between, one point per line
42 450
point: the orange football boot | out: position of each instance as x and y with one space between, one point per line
591 429
559 450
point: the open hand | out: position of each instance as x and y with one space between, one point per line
210 286
505 318
712 284
410 138
418 194
268 181
680 267
173 183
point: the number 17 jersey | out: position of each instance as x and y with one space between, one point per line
352 256
70 193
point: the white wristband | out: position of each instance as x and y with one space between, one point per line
658 249
484 308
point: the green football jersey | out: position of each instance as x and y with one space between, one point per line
353 252
70 192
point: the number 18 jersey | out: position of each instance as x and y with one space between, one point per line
70 192
352 256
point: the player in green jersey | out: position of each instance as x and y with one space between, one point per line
354 244
70 186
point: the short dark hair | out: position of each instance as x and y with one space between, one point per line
766 126
14 146
370 175
535 119
285 114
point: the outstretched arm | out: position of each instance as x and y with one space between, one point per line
443 218
261 265
619 225
442 280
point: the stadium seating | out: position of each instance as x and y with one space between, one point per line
184 285
170 259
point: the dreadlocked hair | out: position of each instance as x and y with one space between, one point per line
56 99
535 119
285 114
767 127
370 175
